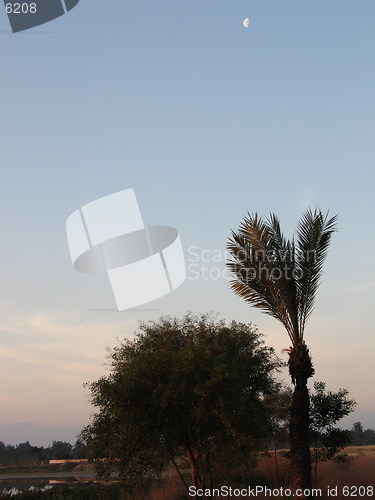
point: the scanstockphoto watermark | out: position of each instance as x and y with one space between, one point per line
229 491
264 491
211 264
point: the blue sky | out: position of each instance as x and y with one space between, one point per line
205 120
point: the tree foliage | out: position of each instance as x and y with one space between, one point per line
186 391
326 409
279 276
361 437
26 453
278 404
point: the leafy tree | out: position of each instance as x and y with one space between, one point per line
361 437
19 453
369 436
2 448
281 277
79 450
60 450
38 454
23 449
357 434
326 409
186 391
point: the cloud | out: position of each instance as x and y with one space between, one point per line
46 358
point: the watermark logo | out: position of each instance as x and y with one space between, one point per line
251 265
207 264
108 236
27 14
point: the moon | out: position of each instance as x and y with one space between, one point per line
246 22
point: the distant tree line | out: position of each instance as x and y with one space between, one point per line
60 450
361 437
26 453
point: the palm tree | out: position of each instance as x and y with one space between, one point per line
281 278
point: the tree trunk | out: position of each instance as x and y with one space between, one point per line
277 480
300 368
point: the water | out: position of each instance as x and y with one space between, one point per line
14 486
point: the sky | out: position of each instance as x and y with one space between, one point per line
206 120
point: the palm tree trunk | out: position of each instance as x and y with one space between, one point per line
300 368
299 438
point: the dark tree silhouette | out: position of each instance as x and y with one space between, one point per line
281 278
183 392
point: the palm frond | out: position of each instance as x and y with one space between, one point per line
314 236
259 250
273 274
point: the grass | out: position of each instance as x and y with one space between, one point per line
358 472
361 450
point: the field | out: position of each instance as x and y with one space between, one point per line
353 479
361 450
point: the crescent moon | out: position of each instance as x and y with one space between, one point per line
246 22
